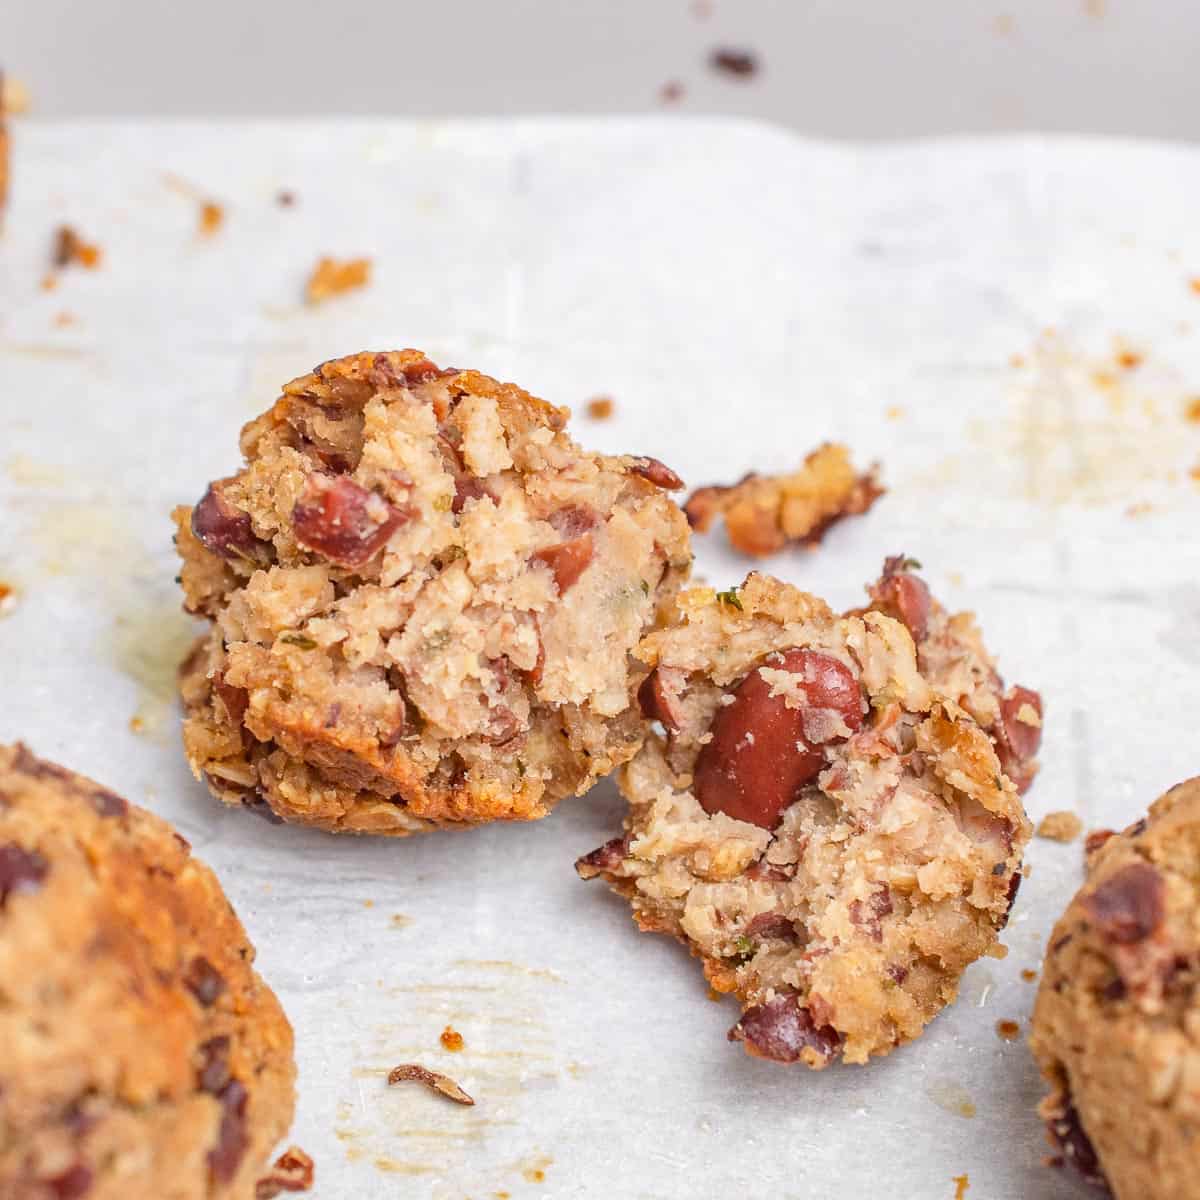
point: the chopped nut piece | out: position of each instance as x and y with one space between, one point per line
431 1079
70 248
600 408
331 277
1060 826
764 513
291 1172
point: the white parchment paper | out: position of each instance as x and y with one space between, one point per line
1007 325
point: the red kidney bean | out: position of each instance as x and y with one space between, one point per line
760 755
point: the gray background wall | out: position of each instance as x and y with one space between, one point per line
848 68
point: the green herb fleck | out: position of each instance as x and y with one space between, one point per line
910 564
743 947
301 640
731 598
520 768
645 588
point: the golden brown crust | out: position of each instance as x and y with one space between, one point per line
1116 1027
765 513
423 597
140 1053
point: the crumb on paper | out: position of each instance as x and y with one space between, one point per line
452 1039
212 217
1140 509
1194 284
8 599
765 513
431 1079
65 320
332 277
292 1171
137 724
49 281
1028 974
14 96
285 198
1008 1031
1095 8
735 62
671 92
961 1184
368 904
399 921
600 408
1004 25
893 412
70 248
1128 359
1060 826
1016 361
1191 409
702 9
996 950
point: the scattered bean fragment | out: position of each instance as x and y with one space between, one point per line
431 1079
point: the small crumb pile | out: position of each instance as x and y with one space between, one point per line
765 513
1062 826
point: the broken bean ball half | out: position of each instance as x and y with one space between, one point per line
423 599
831 835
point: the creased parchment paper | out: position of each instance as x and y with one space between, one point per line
1008 326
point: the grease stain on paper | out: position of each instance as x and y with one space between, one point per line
951 1097
1076 427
